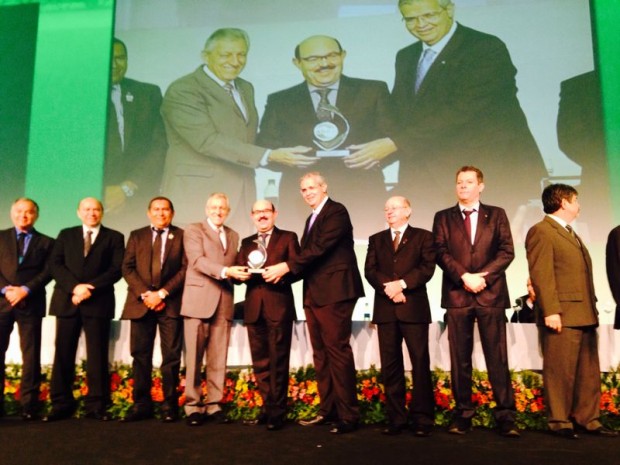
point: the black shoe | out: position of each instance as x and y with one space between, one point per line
422 431
259 420
566 433
195 419
316 421
275 424
460 426
169 417
393 430
57 415
98 415
30 416
508 430
602 432
136 415
218 417
344 427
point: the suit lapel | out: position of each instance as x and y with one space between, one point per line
405 239
483 220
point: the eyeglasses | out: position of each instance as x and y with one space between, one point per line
389 209
261 212
432 18
330 57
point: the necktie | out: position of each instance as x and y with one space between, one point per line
322 111
88 242
236 98
156 259
423 66
21 241
222 235
118 106
263 238
572 233
396 240
467 222
311 222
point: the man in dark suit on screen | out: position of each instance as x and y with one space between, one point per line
292 116
85 263
332 285
455 96
474 248
399 263
24 272
561 272
269 312
154 268
136 144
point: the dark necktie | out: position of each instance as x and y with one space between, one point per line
322 109
396 240
263 238
467 222
21 242
238 103
573 233
156 259
88 242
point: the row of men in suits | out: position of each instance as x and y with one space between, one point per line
458 102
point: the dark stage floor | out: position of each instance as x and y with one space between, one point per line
89 442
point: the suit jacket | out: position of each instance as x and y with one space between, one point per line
413 262
33 272
137 271
205 291
561 273
289 120
465 112
100 268
492 252
211 146
145 144
612 261
274 301
327 259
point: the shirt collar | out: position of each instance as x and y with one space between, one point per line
94 229
558 220
439 46
318 209
475 206
333 86
209 73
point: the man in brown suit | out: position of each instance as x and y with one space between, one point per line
211 251
399 263
154 268
561 273
269 311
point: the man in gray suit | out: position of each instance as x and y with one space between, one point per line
207 305
211 123
561 273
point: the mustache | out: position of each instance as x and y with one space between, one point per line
262 218
323 68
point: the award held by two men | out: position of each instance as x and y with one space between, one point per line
257 258
331 130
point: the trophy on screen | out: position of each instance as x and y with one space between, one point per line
331 131
257 258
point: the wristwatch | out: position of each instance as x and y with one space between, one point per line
162 295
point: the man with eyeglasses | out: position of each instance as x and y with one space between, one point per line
211 124
292 114
456 100
269 312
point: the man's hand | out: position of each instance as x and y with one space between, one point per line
399 298
274 273
370 154
292 156
238 272
554 322
152 301
474 282
15 294
114 198
392 289
81 292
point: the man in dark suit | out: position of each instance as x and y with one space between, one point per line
474 248
136 144
24 272
332 285
290 119
211 123
268 312
612 262
85 262
207 307
458 102
526 306
399 263
154 268
561 272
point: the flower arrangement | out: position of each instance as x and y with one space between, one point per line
242 400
